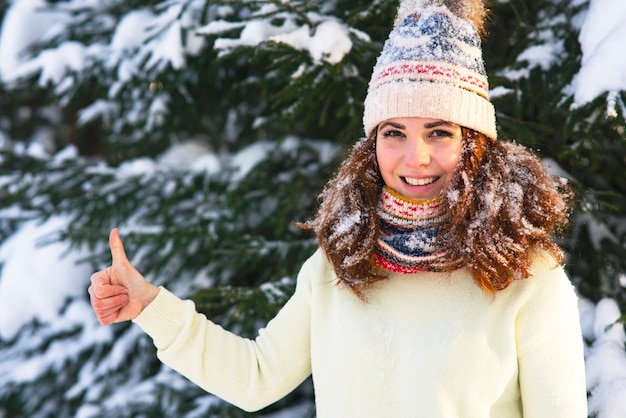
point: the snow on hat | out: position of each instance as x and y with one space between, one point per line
432 67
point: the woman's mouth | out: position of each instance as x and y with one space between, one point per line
419 182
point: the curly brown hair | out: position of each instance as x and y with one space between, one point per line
502 203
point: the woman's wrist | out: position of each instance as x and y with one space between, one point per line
151 293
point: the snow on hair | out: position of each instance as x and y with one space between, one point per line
474 11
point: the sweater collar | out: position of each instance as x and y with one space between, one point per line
410 212
409 240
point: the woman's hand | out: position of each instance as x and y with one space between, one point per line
119 292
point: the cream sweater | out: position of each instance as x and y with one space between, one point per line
424 345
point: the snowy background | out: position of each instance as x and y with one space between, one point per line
41 280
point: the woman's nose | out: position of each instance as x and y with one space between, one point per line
417 153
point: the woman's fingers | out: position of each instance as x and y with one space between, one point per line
119 292
102 286
118 254
107 309
107 300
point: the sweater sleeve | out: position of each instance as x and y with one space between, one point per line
250 374
550 347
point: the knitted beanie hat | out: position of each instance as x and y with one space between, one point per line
432 67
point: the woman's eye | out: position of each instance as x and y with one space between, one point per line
441 133
392 133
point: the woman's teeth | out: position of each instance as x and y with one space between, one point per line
419 182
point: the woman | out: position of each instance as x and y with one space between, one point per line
437 290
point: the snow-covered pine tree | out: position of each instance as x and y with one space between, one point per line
203 129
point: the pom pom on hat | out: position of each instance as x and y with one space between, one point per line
431 66
471 10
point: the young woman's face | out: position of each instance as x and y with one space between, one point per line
416 156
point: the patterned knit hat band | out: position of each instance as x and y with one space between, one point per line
429 100
431 66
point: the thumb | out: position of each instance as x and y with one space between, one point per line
117 248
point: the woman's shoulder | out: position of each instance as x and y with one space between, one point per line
317 269
547 276
318 261
541 260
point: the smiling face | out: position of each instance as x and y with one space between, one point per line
417 157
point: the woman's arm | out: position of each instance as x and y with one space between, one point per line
550 348
250 374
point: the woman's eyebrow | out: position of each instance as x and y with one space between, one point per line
429 125
394 124
439 123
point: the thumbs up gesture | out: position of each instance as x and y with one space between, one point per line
119 292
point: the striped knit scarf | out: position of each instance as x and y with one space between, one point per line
408 235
